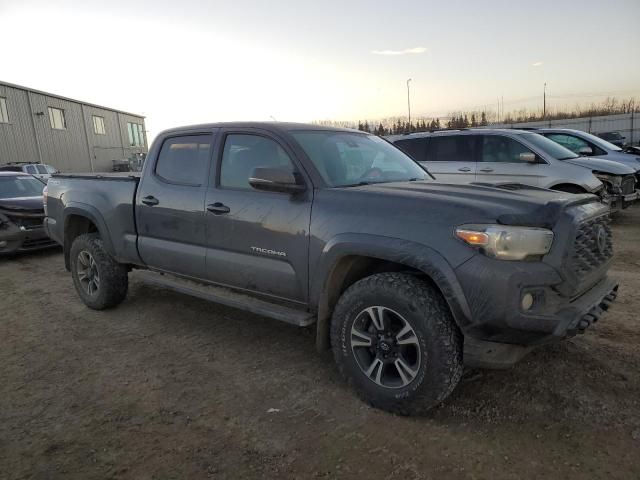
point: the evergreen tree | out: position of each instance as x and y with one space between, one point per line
360 127
474 123
438 123
365 127
483 119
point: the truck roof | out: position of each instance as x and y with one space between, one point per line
270 126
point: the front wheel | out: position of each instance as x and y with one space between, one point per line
100 281
395 342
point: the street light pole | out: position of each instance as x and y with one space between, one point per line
409 103
544 101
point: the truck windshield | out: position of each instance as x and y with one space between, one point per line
550 147
348 159
20 186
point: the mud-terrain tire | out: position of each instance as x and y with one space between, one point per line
100 281
431 345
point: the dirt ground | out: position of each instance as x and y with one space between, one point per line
167 386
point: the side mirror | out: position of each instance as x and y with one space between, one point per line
275 180
528 157
585 151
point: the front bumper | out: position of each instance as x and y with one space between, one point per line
14 239
619 201
500 332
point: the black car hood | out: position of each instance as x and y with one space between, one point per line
22 204
506 203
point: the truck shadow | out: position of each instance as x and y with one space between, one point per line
580 379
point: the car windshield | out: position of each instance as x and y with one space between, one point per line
550 147
20 186
600 142
348 159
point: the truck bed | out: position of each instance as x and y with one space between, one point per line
107 199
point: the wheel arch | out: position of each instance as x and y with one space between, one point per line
346 260
83 219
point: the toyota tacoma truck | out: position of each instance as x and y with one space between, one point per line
406 279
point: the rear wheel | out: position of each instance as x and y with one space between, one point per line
395 342
100 281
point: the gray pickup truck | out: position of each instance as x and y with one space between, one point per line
405 278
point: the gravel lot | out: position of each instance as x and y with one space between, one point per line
166 386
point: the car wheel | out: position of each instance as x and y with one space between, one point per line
100 281
394 340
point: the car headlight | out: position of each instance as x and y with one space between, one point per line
613 180
505 242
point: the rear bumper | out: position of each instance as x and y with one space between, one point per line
14 239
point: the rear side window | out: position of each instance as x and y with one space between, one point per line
452 148
416 148
30 169
42 169
496 148
185 160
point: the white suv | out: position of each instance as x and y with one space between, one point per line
517 156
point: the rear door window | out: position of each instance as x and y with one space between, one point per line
42 169
451 148
416 148
499 149
31 169
185 160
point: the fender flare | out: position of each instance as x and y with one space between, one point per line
411 254
91 213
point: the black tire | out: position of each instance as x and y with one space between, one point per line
439 340
113 280
569 189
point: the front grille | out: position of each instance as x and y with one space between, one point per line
592 247
28 222
628 185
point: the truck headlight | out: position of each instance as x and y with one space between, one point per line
505 242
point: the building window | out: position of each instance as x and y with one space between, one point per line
136 134
98 125
4 116
56 117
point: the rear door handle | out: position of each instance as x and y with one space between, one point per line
464 169
218 208
150 200
486 170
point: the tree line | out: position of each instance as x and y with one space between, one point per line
401 125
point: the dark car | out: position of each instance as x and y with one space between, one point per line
615 138
21 213
407 279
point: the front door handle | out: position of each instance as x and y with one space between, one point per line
486 170
150 200
464 169
218 208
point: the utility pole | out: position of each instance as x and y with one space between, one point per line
544 101
409 103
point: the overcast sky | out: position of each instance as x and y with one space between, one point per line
188 61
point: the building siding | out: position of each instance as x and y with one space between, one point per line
77 148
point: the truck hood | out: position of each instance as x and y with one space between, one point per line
22 204
506 203
602 165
